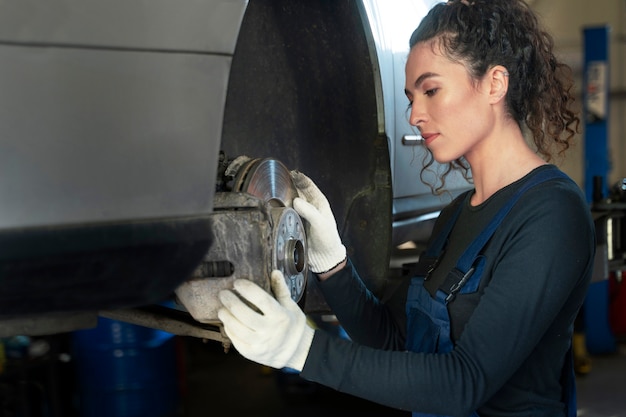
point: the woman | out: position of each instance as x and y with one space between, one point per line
489 314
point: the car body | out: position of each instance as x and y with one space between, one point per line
116 117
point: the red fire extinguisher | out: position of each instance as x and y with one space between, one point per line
617 303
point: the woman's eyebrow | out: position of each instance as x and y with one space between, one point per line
423 78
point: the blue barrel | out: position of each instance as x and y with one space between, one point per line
598 334
125 370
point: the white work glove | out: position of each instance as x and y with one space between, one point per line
278 335
325 250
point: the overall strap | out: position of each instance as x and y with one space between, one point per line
438 244
465 267
429 258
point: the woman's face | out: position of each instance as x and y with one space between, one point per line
451 111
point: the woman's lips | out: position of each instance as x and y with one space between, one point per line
429 137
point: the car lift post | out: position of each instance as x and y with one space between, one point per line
599 338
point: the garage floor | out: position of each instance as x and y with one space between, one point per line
213 383
218 383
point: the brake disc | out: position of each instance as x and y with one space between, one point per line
255 231
269 180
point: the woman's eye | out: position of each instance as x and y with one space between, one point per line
431 92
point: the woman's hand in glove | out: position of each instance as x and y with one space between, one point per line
278 335
325 250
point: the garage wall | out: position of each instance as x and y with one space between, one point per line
566 20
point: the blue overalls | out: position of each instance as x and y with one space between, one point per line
428 322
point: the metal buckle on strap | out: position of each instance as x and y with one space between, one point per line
457 286
433 266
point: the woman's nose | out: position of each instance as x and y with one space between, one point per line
416 116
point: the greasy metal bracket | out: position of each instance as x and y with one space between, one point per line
50 323
169 320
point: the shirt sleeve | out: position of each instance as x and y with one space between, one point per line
366 320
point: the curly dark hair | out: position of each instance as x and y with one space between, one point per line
484 33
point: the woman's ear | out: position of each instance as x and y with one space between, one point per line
498 77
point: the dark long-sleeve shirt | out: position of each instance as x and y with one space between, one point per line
510 337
